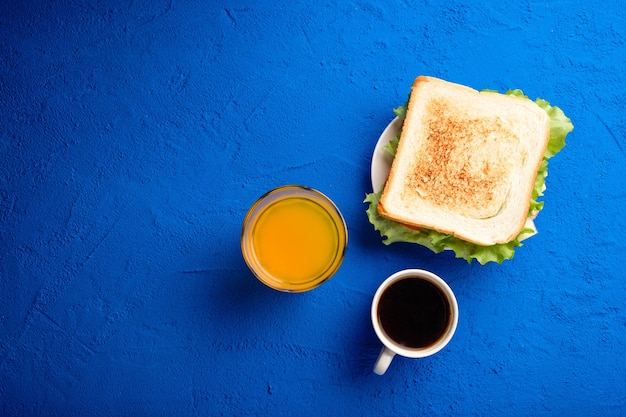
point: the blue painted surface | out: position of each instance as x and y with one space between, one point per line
134 136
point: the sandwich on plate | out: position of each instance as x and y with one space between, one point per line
468 169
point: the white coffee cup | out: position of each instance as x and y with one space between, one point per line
414 314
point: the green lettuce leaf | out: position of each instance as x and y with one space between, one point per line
560 126
392 146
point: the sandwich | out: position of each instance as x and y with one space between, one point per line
469 167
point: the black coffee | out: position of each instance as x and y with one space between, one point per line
413 312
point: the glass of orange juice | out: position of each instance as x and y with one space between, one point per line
294 238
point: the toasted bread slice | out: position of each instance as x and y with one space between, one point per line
466 162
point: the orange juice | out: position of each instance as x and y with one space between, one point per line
294 238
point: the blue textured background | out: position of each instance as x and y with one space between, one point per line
134 135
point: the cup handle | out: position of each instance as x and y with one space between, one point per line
383 361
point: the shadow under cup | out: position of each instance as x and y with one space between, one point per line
294 238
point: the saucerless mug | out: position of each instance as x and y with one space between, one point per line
414 314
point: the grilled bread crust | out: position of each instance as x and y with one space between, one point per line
466 162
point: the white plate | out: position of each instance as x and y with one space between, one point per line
381 160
